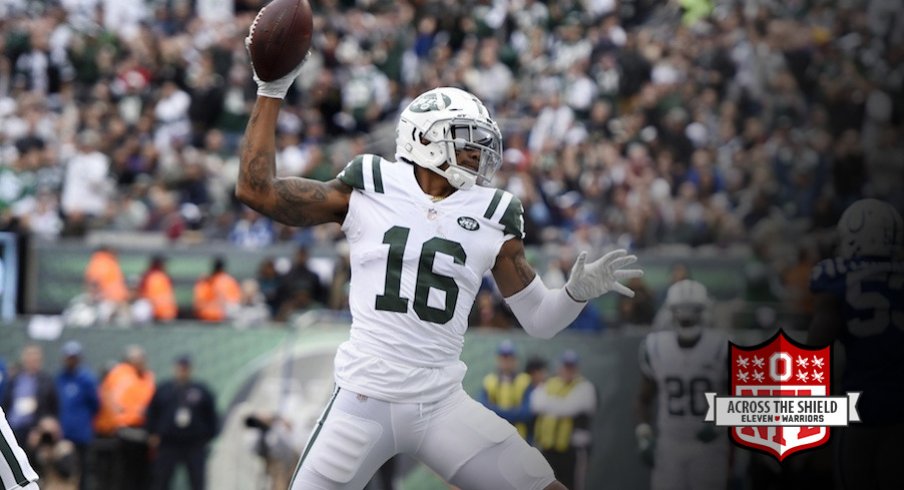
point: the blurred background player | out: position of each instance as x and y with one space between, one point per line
678 366
860 302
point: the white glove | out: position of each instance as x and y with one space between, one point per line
599 277
646 442
278 88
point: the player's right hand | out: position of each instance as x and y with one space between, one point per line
707 434
278 88
601 276
646 443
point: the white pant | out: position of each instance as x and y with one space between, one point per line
461 440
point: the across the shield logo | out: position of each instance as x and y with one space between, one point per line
780 367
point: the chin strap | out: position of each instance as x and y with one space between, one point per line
459 178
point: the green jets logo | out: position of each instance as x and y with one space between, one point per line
468 223
430 102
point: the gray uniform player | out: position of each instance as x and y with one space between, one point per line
423 230
678 366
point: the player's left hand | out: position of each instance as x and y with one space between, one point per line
601 276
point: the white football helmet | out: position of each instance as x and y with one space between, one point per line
441 121
870 228
689 305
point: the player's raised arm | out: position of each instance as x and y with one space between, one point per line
293 201
544 312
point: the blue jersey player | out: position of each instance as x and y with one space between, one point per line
860 302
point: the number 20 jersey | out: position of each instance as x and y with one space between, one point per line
683 375
416 267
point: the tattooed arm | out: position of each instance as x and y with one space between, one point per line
512 272
293 201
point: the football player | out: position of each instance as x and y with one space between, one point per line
678 366
422 231
15 471
859 300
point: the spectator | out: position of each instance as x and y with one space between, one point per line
77 392
125 393
342 273
505 391
756 76
3 376
588 320
536 368
54 457
301 288
678 272
252 230
156 287
104 278
252 310
29 394
640 309
181 421
268 280
217 296
171 113
488 312
565 405
85 186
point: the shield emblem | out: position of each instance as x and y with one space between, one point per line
780 367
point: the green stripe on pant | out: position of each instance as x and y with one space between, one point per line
310 444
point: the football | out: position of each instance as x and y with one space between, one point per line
280 37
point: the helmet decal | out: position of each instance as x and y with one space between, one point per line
431 101
870 228
442 122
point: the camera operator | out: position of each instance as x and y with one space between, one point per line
54 458
275 446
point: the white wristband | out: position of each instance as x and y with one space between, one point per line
543 312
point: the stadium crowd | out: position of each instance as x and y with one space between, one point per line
635 122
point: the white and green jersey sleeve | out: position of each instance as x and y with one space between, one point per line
15 471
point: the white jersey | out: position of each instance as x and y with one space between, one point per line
416 266
682 376
15 471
